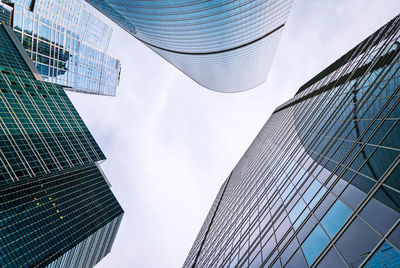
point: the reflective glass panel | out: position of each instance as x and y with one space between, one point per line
385 256
314 244
331 260
335 218
357 242
379 215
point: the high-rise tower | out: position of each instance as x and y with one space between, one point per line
227 46
67 43
319 186
56 207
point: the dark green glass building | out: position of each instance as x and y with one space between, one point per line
320 184
56 206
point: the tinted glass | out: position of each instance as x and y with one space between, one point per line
385 256
335 218
379 215
394 237
297 261
314 244
331 260
356 242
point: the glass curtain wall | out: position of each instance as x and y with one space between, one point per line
67 44
226 46
319 186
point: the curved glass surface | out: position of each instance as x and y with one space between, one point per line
361 133
225 46
319 186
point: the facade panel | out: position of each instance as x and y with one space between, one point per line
40 130
56 207
68 44
319 186
46 217
90 251
226 46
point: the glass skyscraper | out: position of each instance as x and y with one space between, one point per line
320 184
67 43
56 206
227 46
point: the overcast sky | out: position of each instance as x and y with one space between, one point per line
170 143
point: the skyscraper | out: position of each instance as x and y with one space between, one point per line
226 46
67 43
319 185
56 207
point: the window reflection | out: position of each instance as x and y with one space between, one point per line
394 237
385 256
59 49
335 218
297 261
379 215
357 242
314 244
332 260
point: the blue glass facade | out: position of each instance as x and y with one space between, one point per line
226 46
67 44
56 206
319 186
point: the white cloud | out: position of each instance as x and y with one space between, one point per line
170 143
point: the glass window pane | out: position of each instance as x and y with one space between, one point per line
394 237
267 249
305 186
287 191
301 218
340 185
323 175
282 229
293 202
377 164
357 242
335 218
356 191
331 260
385 256
296 211
314 244
306 229
324 206
392 140
379 215
389 197
311 191
298 176
287 253
316 199
266 265
256 262
234 262
297 261
393 179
